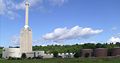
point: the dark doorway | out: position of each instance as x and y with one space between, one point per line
87 55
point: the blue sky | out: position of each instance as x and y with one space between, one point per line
45 16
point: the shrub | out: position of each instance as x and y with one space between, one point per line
39 57
11 58
0 55
77 54
23 56
55 54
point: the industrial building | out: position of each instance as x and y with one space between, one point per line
26 46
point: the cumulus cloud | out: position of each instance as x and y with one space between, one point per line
21 5
114 39
7 8
11 6
32 3
72 33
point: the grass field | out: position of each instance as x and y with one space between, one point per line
79 60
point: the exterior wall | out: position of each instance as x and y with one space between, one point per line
100 52
48 56
34 54
38 53
11 52
26 40
66 55
87 51
30 54
15 53
41 53
116 52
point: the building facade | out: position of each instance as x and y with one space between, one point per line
26 40
11 52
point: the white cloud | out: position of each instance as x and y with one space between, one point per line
114 40
7 6
10 5
75 32
57 2
32 3
94 42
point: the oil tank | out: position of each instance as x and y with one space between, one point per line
86 52
115 51
100 52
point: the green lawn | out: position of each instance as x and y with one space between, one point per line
80 60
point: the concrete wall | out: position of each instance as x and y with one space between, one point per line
86 52
66 55
26 40
11 52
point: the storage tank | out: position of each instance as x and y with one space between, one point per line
100 52
86 52
116 52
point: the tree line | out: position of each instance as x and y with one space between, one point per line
74 48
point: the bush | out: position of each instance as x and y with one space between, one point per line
11 58
39 57
23 56
55 54
29 58
77 54
0 55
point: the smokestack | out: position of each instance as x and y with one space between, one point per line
26 14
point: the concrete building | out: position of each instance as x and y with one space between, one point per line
11 52
26 40
16 53
35 54
48 56
66 55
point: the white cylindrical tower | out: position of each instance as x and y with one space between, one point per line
26 14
